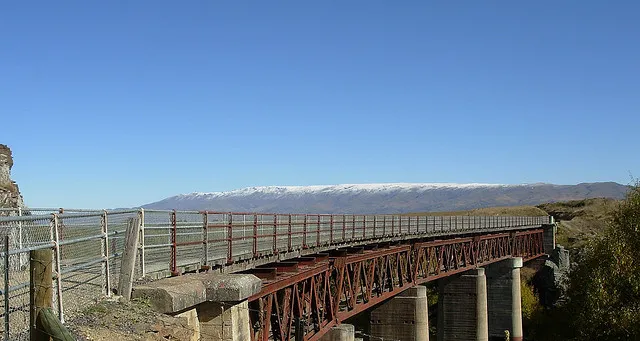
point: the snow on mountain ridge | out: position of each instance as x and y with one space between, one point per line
338 189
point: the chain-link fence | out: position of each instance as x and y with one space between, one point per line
83 262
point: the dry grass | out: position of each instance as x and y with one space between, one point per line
580 220
522 211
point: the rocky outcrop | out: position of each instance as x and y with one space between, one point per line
10 196
551 280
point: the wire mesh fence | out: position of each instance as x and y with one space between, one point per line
87 245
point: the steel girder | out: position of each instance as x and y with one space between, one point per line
303 298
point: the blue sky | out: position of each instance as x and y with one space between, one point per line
118 103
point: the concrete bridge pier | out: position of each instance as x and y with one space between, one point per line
462 307
404 317
341 332
504 299
549 236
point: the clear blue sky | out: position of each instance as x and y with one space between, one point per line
122 103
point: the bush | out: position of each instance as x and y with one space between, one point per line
604 288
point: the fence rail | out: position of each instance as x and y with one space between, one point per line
88 245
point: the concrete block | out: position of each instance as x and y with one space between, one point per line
231 287
172 295
224 321
192 321
341 332
175 294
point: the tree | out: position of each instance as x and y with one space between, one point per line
604 287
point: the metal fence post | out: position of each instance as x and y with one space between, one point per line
255 235
21 260
374 226
353 227
318 232
289 235
104 222
56 250
205 238
143 269
384 226
6 287
344 227
173 266
393 225
230 239
331 230
304 232
275 234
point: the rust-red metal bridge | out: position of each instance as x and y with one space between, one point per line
332 267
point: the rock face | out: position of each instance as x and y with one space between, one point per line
551 279
10 196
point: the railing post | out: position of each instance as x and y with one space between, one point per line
105 254
230 238
344 226
143 269
275 234
21 260
205 238
364 227
331 229
393 225
56 250
174 247
353 227
384 226
375 220
289 235
304 232
6 295
318 232
255 235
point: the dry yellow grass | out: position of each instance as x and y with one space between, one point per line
580 220
522 211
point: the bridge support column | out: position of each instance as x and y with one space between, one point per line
403 318
549 236
224 322
504 299
462 307
341 332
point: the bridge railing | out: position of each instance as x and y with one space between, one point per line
88 244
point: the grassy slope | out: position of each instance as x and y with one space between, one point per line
578 220
527 211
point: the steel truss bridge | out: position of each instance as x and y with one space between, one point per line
308 295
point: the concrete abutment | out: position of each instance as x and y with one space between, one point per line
214 305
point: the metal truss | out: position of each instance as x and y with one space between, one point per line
303 298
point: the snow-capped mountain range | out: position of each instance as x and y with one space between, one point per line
385 198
